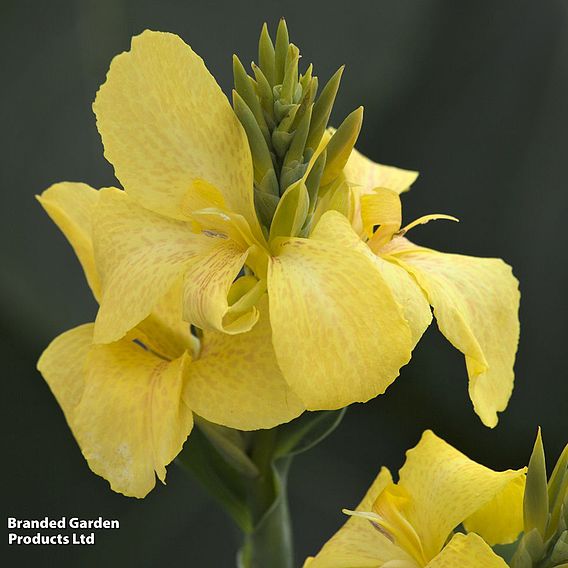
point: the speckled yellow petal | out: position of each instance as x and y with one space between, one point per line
166 125
131 421
501 520
236 381
408 294
467 552
476 303
329 298
164 330
445 488
369 175
202 196
140 255
70 206
62 366
207 285
358 544
123 405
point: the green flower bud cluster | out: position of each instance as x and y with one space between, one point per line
544 543
285 123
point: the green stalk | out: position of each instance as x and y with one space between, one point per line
270 542
247 474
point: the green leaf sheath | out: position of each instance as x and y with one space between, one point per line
247 474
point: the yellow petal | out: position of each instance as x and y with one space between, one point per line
164 331
236 381
70 206
140 256
202 196
166 125
123 405
369 175
222 224
358 544
337 196
207 285
338 332
354 214
131 421
446 487
62 366
467 552
408 294
391 512
501 520
381 207
476 302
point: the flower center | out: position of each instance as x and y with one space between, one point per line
390 519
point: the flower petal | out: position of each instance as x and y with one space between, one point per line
62 366
446 487
207 285
409 296
358 543
236 381
123 405
338 332
381 207
166 125
369 175
164 331
70 206
476 303
501 520
467 552
140 255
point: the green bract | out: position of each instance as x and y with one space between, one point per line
286 124
544 543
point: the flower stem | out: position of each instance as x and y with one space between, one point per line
270 542
247 474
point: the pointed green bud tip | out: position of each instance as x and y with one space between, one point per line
290 74
264 93
266 54
244 85
261 158
341 145
323 108
536 506
280 51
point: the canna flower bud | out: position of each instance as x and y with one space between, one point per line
284 119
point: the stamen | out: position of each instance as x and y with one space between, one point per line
425 219
214 234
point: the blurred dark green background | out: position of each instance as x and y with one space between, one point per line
472 93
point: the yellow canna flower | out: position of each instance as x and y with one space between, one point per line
130 403
194 219
341 329
475 300
410 524
187 214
